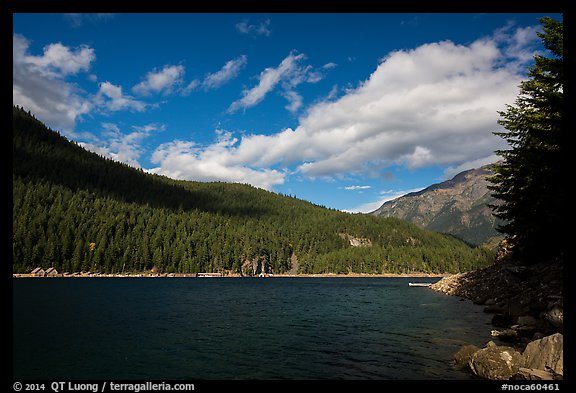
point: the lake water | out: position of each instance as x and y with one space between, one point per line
239 328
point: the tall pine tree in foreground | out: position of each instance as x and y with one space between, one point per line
528 180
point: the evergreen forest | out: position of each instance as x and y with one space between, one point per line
77 211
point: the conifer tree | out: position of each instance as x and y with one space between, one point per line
528 180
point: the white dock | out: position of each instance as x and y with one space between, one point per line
419 284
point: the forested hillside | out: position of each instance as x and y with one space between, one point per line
77 211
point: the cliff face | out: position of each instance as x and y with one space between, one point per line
458 207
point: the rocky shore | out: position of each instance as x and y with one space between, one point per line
527 303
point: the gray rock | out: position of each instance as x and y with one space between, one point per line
546 354
555 317
463 356
520 271
527 321
533 374
509 335
496 362
537 336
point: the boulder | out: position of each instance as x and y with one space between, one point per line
519 271
527 321
546 354
463 356
533 374
527 326
509 335
501 320
496 362
537 336
555 317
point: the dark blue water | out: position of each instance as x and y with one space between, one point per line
238 328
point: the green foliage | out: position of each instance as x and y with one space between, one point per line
77 211
529 179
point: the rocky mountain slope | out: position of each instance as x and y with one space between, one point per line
458 206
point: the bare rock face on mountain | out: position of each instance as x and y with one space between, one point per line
458 207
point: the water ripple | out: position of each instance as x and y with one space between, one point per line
366 328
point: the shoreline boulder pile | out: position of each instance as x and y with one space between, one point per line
527 306
542 359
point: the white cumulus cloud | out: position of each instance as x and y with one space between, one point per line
59 60
185 160
112 98
39 81
436 104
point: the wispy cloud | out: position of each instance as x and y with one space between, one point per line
518 43
215 80
78 20
267 80
262 28
190 87
289 74
412 22
121 146
452 171
385 196
160 81
228 72
354 188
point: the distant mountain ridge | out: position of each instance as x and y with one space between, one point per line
458 207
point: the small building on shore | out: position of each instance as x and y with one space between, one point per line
51 272
38 272
208 274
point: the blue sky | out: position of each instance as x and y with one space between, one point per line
343 110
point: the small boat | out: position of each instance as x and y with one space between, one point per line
419 284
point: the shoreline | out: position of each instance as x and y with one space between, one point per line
194 275
527 303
